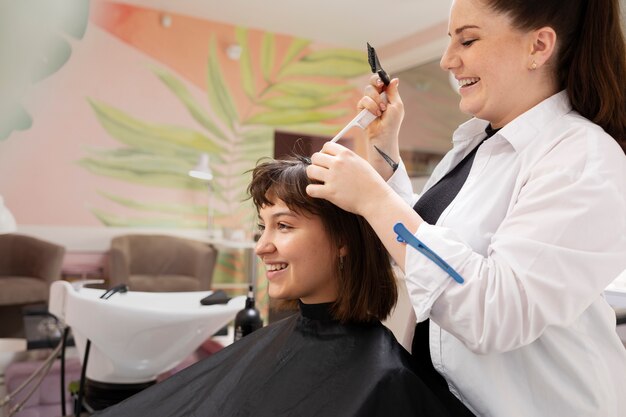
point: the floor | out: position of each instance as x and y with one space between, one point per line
14 350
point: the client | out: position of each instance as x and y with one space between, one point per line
334 358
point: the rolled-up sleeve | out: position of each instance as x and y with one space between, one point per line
401 184
561 242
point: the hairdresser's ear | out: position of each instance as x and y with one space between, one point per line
343 250
543 45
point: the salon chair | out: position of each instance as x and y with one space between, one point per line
161 263
27 268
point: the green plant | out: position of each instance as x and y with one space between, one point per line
303 90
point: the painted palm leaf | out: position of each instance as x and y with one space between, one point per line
206 119
284 91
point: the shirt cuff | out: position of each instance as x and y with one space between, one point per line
425 280
401 184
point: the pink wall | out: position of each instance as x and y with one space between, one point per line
39 176
40 179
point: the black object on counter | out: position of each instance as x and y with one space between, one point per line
216 297
248 319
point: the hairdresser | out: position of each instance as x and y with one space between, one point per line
529 207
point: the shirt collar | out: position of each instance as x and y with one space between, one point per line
470 132
519 132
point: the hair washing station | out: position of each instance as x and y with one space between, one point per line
134 336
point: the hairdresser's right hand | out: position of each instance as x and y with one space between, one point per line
345 179
383 132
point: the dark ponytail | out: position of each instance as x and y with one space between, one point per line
591 59
596 77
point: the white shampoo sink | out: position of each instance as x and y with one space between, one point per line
136 336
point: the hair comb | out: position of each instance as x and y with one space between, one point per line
364 118
372 58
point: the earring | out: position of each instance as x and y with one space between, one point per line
533 66
341 263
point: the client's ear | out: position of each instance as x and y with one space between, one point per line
343 251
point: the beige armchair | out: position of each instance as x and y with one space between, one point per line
27 268
161 263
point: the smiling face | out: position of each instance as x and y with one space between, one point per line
491 61
299 257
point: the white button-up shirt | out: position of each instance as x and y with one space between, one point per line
537 231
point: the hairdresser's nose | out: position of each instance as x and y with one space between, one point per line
450 59
264 246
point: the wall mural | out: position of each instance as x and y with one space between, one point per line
110 105
278 83
303 90
125 101
33 45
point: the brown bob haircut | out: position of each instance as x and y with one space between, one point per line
366 286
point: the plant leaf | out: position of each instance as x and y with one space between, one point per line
33 45
252 149
169 208
315 129
14 117
52 57
180 91
217 91
296 46
334 68
296 102
245 63
331 54
167 140
257 142
113 220
75 23
268 51
142 168
291 117
309 88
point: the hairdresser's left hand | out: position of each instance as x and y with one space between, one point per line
348 181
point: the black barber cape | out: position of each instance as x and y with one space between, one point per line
304 365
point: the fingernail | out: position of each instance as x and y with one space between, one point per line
379 82
383 106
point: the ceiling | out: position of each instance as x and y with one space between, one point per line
398 29
406 34
345 23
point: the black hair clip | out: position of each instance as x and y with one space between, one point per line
372 58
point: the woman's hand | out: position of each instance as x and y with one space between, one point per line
387 126
348 181
383 132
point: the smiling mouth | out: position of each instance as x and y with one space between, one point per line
468 82
275 267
